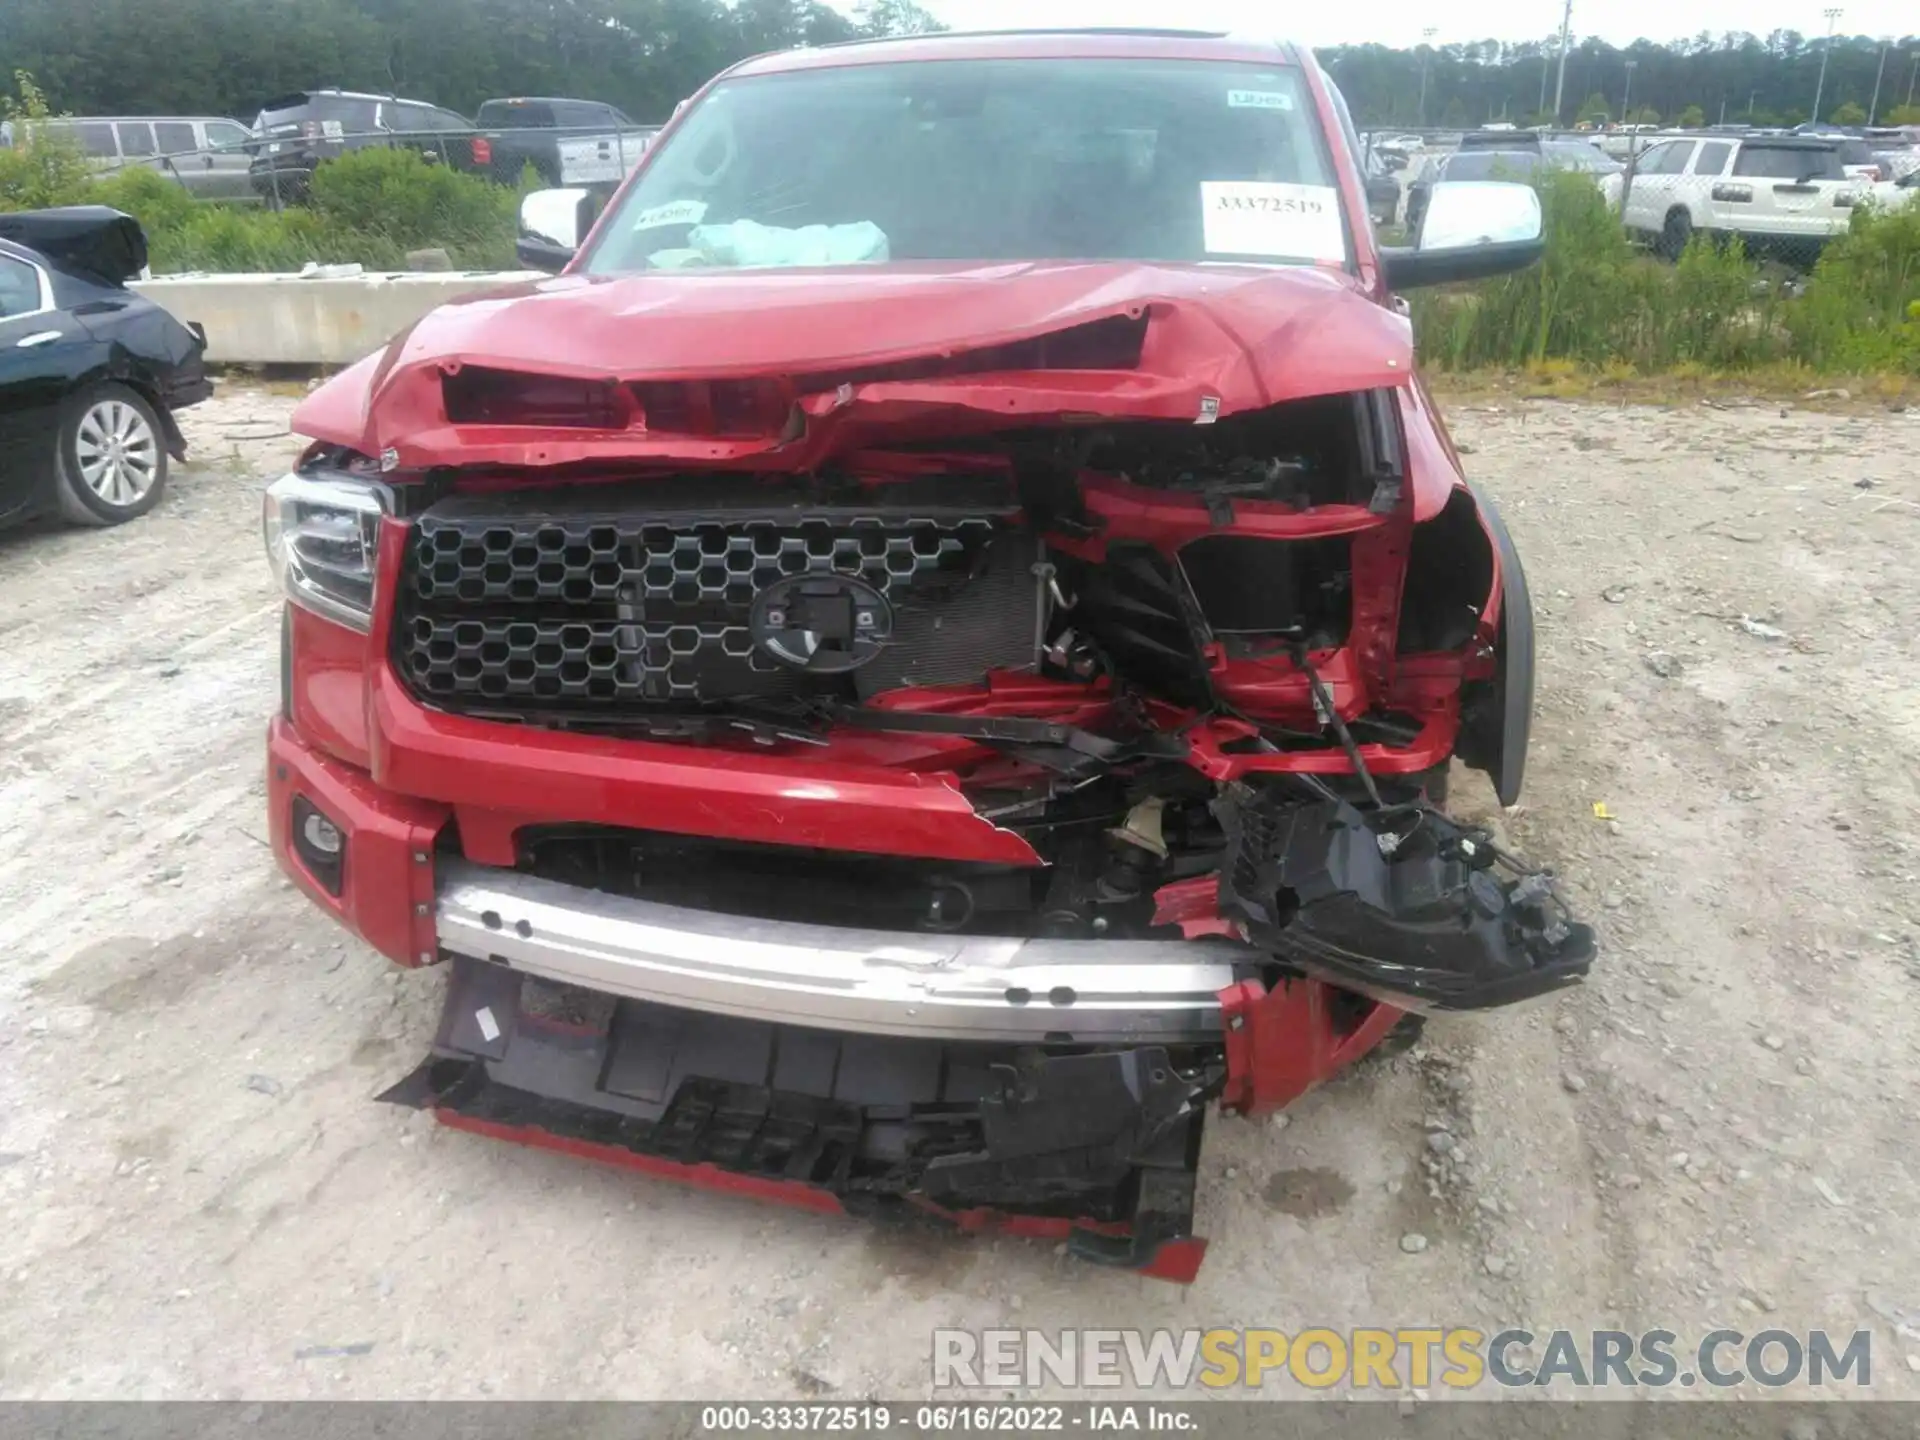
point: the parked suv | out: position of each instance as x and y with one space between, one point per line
920 666
567 142
295 134
1783 195
206 153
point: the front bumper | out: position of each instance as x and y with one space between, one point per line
873 982
1048 1089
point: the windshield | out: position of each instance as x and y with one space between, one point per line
1491 165
1498 140
1573 155
993 160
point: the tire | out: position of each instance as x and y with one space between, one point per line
1675 234
112 463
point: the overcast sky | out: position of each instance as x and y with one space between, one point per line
1399 22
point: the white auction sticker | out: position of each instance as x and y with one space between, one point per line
1259 100
489 1027
1258 217
674 212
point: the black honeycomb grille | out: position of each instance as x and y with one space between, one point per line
502 614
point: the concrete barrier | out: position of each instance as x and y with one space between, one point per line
308 320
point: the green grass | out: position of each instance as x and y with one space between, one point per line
370 207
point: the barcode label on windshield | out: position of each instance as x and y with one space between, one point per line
674 212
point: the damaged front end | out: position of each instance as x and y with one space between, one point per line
1395 901
879 802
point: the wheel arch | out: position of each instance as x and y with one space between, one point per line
120 368
1496 719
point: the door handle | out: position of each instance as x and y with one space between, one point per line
42 337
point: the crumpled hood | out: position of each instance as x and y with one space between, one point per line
1217 340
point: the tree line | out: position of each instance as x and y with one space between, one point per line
226 57
1734 78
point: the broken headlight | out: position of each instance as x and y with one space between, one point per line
322 531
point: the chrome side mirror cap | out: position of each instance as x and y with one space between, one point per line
552 225
1471 229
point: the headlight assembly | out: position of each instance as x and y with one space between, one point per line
322 531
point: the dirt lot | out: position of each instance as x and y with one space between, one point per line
1719 1130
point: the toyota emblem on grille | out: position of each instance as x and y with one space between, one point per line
825 624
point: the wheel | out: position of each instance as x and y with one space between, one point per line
1675 234
113 457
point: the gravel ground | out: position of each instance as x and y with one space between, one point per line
1719 1129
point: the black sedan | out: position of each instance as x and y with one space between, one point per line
90 373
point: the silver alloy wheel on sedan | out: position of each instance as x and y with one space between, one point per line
117 452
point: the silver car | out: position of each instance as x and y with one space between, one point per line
205 153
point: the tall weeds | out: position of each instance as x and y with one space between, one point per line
370 207
1598 302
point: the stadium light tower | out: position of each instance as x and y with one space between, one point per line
1426 53
1873 108
1832 12
1560 80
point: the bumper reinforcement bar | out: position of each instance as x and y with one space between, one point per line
880 982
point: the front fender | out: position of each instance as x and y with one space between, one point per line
1496 719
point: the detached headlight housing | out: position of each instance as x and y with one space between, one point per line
322 533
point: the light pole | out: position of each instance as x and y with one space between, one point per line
1560 81
1873 107
1426 53
1832 12
1626 100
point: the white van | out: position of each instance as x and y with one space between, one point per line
205 153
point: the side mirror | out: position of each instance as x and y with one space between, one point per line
1470 230
552 225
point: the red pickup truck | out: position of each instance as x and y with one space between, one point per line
928 656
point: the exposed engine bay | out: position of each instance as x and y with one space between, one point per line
932 565
1209 673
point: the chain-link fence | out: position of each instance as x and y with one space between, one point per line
1782 197
277 169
